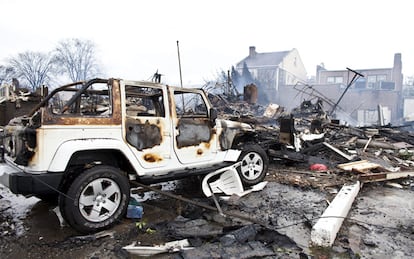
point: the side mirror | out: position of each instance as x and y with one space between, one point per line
213 116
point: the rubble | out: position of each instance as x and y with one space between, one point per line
335 154
16 101
308 135
168 247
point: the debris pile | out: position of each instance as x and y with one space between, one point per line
307 138
224 239
16 101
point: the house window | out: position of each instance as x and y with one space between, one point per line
339 79
374 81
381 78
334 80
360 83
387 85
253 72
371 82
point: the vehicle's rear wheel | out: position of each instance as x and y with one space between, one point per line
95 200
254 164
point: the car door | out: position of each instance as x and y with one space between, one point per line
146 127
195 139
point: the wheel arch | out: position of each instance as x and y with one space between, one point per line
244 138
85 159
73 151
110 157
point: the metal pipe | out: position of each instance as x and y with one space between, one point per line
356 74
179 64
205 206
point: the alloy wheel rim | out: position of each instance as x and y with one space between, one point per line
100 199
252 166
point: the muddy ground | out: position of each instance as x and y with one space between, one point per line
379 225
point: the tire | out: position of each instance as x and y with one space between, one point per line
96 199
254 164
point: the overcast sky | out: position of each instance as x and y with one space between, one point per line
136 38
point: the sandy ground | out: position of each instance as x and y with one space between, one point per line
379 225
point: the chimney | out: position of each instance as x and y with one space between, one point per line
397 72
252 51
397 60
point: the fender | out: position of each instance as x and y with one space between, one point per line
230 131
65 151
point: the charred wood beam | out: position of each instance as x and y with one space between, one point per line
401 136
378 177
339 152
374 144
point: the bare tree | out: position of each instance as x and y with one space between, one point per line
6 74
33 67
76 58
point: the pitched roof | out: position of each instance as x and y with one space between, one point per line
264 59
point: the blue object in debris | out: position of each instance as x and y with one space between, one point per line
134 210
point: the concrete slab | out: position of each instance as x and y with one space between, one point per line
325 230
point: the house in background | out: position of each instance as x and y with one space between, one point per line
374 98
273 70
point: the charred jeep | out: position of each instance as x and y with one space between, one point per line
86 142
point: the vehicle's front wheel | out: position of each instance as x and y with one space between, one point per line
254 164
97 199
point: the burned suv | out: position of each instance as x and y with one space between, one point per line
86 142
